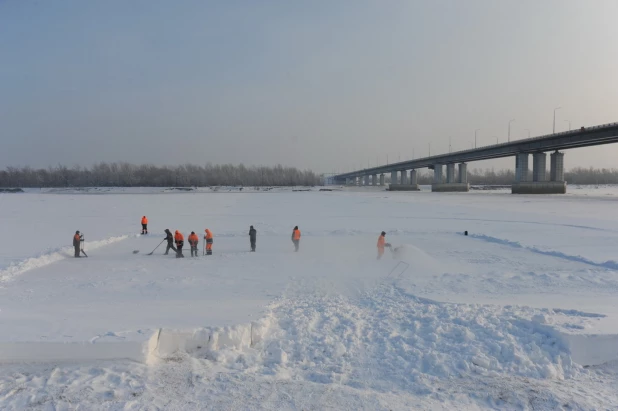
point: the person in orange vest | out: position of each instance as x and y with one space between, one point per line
193 240
76 244
296 238
180 241
381 244
209 241
144 225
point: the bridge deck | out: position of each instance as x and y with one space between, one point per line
590 136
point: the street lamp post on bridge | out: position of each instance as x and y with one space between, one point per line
508 139
554 129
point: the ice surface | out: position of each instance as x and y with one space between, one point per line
520 314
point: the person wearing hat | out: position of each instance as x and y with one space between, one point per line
252 237
193 240
76 243
170 241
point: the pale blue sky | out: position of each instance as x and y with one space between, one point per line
318 84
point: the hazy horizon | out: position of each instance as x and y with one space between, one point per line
326 86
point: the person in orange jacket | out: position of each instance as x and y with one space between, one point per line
180 241
77 243
209 241
381 244
193 240
296 238
144 225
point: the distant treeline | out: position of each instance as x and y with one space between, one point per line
147 175
576 175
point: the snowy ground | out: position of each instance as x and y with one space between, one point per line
520 314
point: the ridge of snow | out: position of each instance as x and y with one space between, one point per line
611 264
20 267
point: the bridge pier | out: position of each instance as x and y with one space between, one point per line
393 177
539 183
405 184
521 167
463 173
539 167
375 179
451 185
437 174
413 178
556 166
365 180
450 173
381 179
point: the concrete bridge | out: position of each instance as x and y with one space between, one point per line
403 174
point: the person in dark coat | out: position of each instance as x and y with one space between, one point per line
252 237
76 243
170 241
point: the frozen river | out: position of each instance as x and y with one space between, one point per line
528 299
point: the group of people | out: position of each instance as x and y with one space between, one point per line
179 239
193 239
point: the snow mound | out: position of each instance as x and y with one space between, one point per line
402 340
15 269
384 340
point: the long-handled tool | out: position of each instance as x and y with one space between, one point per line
204 248
81 242
150 253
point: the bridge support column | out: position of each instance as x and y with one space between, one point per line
539 167
366 180
539 183
404 184
521 167
381 179
463 173
393 177
437 174
556 166
413 178
450 173
375 179
450 185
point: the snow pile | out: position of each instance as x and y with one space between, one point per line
386 340
15 269
390 338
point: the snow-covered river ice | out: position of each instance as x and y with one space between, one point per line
522 313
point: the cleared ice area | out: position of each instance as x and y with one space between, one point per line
520 314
